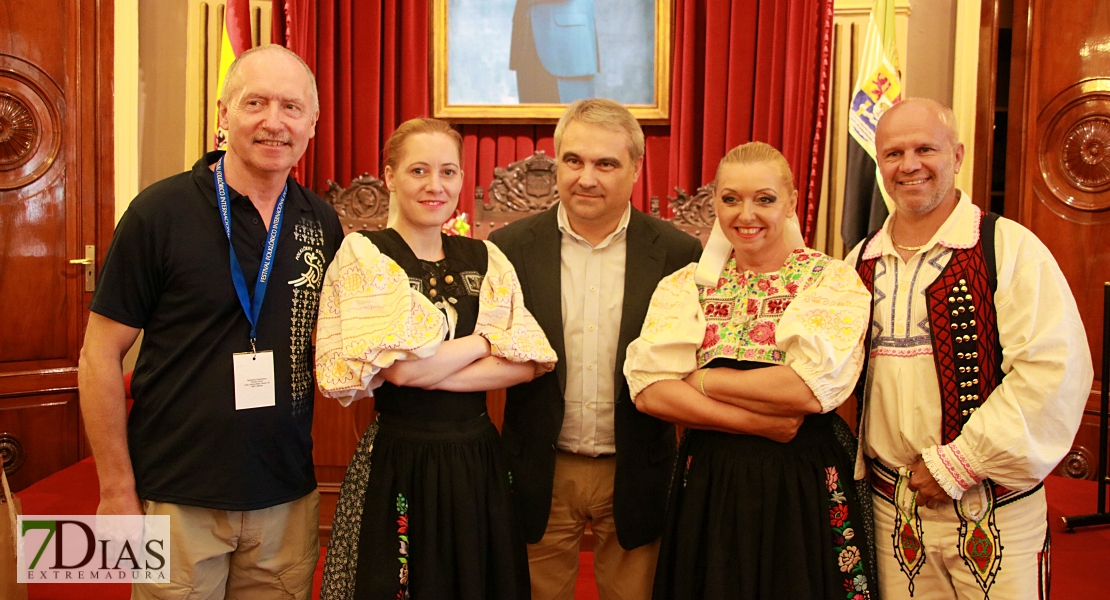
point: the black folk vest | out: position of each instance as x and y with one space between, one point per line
963 328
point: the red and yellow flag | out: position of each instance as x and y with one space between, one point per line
235 39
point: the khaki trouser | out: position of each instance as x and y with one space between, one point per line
583 492
268 553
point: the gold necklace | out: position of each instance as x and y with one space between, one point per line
900 246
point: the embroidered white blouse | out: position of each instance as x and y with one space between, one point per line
809 315
1027 424
370 317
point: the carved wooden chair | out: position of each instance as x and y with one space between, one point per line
362 205
693 214
524 188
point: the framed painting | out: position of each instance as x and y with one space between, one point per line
524 60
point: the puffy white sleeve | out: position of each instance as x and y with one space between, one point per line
1027 424
822 333
369 318
673 331
512 331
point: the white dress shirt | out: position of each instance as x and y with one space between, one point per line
592 289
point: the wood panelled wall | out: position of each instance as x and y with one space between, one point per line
1058 161
56 207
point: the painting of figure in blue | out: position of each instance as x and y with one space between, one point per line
550 52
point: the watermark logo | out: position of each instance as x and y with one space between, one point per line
93 549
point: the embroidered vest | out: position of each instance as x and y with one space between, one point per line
963 327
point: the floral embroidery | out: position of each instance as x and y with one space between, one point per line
744 308
980 544
848 557
504 321
403 553
763 333
711 336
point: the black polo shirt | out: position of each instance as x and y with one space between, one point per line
168 272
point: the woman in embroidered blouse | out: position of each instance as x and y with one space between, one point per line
751 350
425 323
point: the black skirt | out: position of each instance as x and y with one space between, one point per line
754 519
424 511
435 520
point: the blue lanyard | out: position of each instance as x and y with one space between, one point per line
251 307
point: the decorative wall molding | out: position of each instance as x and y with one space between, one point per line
1073 152
12 455
31 109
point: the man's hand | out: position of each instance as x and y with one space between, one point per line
929 492
122 503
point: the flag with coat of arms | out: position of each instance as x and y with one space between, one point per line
878 87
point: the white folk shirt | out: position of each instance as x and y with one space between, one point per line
592 282
1026 426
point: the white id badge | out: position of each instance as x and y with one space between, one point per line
254 379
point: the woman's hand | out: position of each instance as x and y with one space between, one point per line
781 429
451 357
489 373
682 403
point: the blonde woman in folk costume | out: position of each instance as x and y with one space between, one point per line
752 349
425 323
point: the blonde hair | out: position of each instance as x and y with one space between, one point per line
608 114
394 146
231 80
759 152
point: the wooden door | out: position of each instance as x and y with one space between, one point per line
55 199
1058 161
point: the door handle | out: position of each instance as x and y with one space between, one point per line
90 266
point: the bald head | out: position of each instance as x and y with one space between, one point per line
918 154
924 107
275 54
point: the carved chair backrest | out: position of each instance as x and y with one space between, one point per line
522 189
362 205
693 214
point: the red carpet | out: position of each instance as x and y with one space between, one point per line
1080 561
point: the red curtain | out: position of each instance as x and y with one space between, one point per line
742 70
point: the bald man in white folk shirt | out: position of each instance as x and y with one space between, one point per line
978 373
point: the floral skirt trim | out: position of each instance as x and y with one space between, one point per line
845 540
403 538
342 557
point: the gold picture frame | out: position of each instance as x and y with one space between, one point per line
483 43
